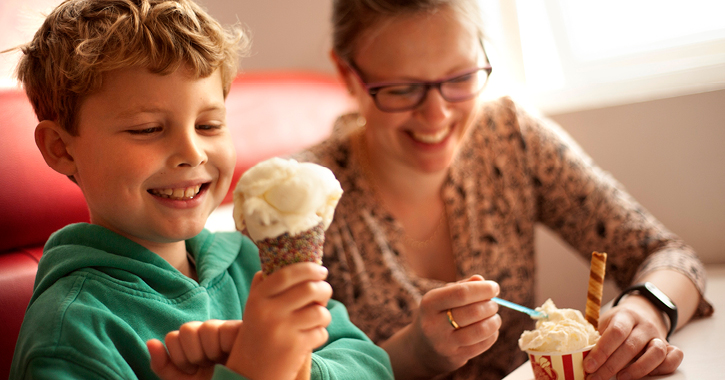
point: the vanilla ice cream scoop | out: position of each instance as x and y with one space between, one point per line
564 330
279 195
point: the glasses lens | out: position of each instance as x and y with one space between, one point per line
465 86
399 97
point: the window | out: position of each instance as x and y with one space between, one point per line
584 53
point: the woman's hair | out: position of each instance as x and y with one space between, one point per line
352 18
82 39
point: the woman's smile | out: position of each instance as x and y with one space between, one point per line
431 137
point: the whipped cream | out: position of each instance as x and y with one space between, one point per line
279 195
563 331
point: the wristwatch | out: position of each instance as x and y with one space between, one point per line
659 299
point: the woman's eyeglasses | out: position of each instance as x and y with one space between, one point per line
405 96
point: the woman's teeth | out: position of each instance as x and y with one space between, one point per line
432 138
177 194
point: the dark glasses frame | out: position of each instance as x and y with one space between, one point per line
374 88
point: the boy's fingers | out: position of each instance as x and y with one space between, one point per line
317 336
312 316
176 353
228 334
161 363
209 337
191 343
291 275
159 356
305 293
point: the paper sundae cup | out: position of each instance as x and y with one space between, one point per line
557 365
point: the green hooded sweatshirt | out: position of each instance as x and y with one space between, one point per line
98 297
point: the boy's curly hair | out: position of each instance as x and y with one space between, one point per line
82 39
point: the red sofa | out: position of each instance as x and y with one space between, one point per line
269 114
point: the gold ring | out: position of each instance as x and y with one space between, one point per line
451 321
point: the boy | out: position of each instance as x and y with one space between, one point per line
130 98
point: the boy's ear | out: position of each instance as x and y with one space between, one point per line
52 141
342 70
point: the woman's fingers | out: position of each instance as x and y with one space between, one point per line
652 356
477 332
461 293
473 313
630 346
672 361
616 328
478 348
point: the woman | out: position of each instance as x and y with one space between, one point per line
443 190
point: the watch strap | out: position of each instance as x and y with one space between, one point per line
658 298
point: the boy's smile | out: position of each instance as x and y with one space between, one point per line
153 155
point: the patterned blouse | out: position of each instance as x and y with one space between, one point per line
513 171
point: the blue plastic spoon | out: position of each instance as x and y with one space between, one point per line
533 313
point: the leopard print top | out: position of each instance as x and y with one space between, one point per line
514 170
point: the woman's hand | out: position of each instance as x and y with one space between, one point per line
431 345
633 343
193 349
285 318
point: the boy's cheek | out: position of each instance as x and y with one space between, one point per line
227 161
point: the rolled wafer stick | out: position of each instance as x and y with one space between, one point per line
596 284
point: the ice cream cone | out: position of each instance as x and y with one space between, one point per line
285 207
283 250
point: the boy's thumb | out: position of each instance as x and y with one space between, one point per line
159 358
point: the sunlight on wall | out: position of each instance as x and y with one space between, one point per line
588 54
598 30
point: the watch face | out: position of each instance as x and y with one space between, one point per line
661 296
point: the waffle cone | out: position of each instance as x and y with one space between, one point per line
283 250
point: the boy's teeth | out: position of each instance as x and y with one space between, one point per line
432 138
178 194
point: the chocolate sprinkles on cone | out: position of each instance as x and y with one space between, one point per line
596 285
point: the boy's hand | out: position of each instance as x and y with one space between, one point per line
284 320
193 349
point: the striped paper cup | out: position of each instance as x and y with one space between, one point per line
558 366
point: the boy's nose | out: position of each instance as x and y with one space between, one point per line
189 151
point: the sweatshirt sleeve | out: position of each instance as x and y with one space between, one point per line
349 353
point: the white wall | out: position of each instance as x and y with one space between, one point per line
289 34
